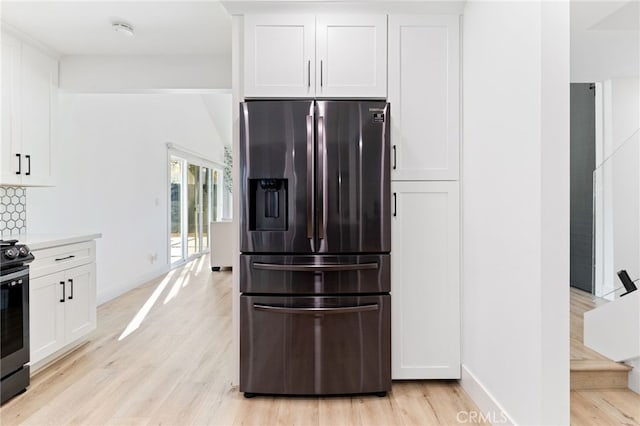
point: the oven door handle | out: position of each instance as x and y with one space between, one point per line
315 268
315 311
14 275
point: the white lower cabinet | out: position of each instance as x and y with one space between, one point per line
425 280
62 303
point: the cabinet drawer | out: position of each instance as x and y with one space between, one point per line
55 259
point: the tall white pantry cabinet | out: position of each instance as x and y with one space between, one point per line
424 92
414 62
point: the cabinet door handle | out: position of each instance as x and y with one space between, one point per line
321 82
309 73
71 282
28 157
63 292
394 157
19 164
395 205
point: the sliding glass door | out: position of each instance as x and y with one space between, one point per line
175 234
195 202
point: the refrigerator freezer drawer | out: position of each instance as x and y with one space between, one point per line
315 274
315 345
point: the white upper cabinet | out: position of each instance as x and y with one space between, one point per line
38 98
279 55
424 91
351 56
333 56
10 143
29 99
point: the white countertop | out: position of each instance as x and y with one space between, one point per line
42 241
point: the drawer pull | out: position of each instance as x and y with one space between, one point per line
316 311
314 268
65 258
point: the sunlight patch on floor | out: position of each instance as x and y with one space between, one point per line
142 313
177 285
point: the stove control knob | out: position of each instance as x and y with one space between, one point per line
23 251
11 253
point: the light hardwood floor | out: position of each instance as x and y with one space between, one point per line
596 407
175 369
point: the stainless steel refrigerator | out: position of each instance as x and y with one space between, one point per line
315 309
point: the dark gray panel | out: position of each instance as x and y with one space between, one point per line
315 274
315 345
353 184
582 167
276 172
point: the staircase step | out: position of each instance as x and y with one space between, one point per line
599 374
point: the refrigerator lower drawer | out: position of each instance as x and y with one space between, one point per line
315 274
315 345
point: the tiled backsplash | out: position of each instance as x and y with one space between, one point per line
13 210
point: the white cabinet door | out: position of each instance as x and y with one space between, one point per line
351 56
46 315
38 97
10 143
424 92
80 306
425 288
279 56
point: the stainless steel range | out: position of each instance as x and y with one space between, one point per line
315 309
14 318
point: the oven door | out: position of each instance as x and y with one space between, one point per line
315 345
14 317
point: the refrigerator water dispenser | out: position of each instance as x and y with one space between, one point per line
268 204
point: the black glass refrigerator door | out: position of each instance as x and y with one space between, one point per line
276 176
353 177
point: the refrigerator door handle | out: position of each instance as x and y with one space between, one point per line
310 169
315 268
321 176
316 311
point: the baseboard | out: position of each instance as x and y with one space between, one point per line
490 409
113 292
634 375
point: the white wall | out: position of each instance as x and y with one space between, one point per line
605 42
122 74
515 178
618 185
112 177
621 112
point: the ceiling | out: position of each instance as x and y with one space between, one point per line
605 40
161 27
